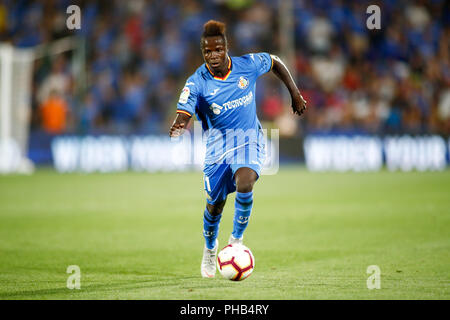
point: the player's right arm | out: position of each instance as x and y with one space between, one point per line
185 108
179 124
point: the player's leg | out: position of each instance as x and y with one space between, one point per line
245 175
245 179
217 191
211 221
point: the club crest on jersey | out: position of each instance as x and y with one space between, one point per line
243 82
216 109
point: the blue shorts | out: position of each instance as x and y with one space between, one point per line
219 177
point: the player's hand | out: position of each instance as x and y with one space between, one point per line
298 104
177 129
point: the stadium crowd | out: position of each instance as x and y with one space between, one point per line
139 53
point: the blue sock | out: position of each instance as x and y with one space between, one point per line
243 208
210 228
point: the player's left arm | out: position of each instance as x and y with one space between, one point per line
282 72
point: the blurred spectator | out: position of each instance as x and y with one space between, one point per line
57 81
129 112
329 70
3 18
54 112
320 32
139 53
90 115
444 107
272 107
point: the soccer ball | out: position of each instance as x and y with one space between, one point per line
235 262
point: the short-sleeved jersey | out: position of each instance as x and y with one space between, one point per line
224 104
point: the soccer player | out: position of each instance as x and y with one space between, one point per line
221 93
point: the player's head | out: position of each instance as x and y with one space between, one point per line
214 45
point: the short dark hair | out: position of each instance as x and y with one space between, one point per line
214 28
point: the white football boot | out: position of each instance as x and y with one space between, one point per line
208 267
233 240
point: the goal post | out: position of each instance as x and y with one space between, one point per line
16 71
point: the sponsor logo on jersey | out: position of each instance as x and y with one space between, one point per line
242 101
215 108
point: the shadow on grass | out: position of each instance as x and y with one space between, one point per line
93 289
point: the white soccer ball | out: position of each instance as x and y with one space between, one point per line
235 262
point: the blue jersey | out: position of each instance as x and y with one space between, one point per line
226 104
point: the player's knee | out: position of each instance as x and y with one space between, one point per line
245 179
244 186
214 209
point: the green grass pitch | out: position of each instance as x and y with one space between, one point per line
139 236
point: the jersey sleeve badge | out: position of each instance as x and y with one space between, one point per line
184 95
